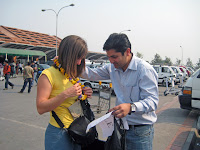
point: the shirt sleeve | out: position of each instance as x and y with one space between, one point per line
101 73
148 85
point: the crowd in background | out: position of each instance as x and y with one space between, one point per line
13 69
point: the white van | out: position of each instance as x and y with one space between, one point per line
163 72
179 74
190 97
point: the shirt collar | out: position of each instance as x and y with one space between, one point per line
132 65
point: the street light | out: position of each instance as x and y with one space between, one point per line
182 54
57 21
124 31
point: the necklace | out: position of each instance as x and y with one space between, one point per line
73 81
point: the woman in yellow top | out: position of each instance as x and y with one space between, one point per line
55 91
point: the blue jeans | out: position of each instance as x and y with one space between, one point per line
58 139
34 80
140 138
28 80
7 81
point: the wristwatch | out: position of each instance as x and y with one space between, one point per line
133 108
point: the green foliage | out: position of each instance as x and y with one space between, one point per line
189 62
178 62
157 60
139 55
197 64
167 61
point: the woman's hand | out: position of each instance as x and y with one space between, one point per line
74 90
88 91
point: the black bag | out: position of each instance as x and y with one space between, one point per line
117 141
77 129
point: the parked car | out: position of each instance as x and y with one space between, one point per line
163 73
190 96
41 67
185 74
190 69
179 74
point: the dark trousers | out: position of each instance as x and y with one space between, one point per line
28 80
7 76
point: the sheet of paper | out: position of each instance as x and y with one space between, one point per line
97 121
107 126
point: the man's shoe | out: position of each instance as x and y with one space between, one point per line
20 92
12 86
5 89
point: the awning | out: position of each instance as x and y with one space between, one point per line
20 52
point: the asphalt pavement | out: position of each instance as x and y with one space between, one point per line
22 128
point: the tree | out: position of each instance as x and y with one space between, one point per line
197 64
178 62
157 60
139 55
167 61
189 62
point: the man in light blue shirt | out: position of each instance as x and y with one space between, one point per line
136 88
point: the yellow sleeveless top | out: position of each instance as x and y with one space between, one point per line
60 83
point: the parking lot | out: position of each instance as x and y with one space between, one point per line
22 128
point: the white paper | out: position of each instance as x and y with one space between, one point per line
107 126
97 121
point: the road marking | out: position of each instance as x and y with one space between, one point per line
19 122
181 135
175 99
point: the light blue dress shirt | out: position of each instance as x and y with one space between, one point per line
138 84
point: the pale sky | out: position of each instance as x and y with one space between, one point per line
157 26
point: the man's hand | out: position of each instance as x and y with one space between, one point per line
56 57
121 110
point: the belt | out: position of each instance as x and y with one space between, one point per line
139 125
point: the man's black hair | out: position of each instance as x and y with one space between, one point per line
117 41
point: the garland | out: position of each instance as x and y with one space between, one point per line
73 81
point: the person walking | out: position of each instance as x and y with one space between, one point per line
12 65
58 89
20 67
34 66
136 88
1 72
6 72
17 68
28 74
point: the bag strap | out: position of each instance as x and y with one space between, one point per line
57 119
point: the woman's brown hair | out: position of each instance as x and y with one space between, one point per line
70 50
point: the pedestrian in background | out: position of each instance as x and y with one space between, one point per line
17 68
20 67
1 72
34 66
12 74
28 74
6 72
